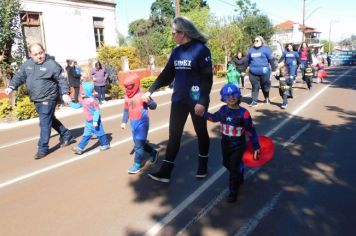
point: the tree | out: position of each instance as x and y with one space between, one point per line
257 25
188 5
245 8
10 35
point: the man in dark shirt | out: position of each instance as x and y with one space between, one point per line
45 82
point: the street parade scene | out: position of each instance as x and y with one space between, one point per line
169 117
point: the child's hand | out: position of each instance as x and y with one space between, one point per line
256 155
95 124
123 125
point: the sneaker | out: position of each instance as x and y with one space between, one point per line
135 168
284 105
164 173
253 104
267 101
65 142
154 157
40 155
77 150
104 147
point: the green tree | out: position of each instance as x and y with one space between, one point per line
257 25
188 5
246 8
10 35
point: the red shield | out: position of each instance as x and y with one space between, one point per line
266 152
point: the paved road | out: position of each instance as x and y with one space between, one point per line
307 189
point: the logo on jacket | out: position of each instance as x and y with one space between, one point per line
183 64
43 69
195 93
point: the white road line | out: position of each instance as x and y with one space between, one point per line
270 133
171 215
294 137
255 220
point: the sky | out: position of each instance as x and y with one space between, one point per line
335 16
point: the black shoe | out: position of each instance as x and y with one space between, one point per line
40 155
66 141
232 197
164 173
202 171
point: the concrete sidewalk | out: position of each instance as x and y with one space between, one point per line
65 111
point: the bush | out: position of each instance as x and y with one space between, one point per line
221 73
111 56
25 109
5 107
147 82
116 91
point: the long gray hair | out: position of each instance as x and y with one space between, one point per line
183 24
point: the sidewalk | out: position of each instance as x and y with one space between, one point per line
65 111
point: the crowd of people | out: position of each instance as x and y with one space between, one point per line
189 71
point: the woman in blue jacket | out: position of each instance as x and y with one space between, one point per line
259 59
190 67
290 59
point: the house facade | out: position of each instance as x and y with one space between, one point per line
70 29
292 32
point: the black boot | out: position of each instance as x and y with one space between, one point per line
164 173
233 187
202 171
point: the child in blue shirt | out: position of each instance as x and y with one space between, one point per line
235 123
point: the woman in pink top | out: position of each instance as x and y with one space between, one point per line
304 57
99 77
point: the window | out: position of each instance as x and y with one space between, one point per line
98 24
31 23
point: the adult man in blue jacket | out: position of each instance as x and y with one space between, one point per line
45 82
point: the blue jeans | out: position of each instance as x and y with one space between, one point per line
140 147
101 92
48 120
89 130
85 140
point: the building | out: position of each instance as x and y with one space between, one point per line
70 28
292 32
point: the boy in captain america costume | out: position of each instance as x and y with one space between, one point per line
135 110
93 125
235 123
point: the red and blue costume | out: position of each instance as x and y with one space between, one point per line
235 124
136 110
93 125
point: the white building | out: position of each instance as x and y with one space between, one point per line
292 32
70 29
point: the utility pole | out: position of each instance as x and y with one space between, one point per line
329 35
177 8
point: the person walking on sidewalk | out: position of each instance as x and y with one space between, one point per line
99 76
190 67
45 83
259 59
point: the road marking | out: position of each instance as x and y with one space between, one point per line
294 137
255 220
160 224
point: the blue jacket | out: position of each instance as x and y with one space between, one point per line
190 67
290 57
259 60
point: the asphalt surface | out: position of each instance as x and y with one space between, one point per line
306 189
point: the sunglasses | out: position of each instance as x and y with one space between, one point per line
257 40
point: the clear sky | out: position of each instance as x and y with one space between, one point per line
318 14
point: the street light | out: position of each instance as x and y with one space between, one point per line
333 21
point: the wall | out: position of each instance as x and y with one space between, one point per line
68 26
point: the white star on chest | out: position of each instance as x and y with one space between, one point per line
228 119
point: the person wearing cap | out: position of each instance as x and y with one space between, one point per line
190 67
261 61
235 122
136 110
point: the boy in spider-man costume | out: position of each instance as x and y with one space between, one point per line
235 122
135 110
93 125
